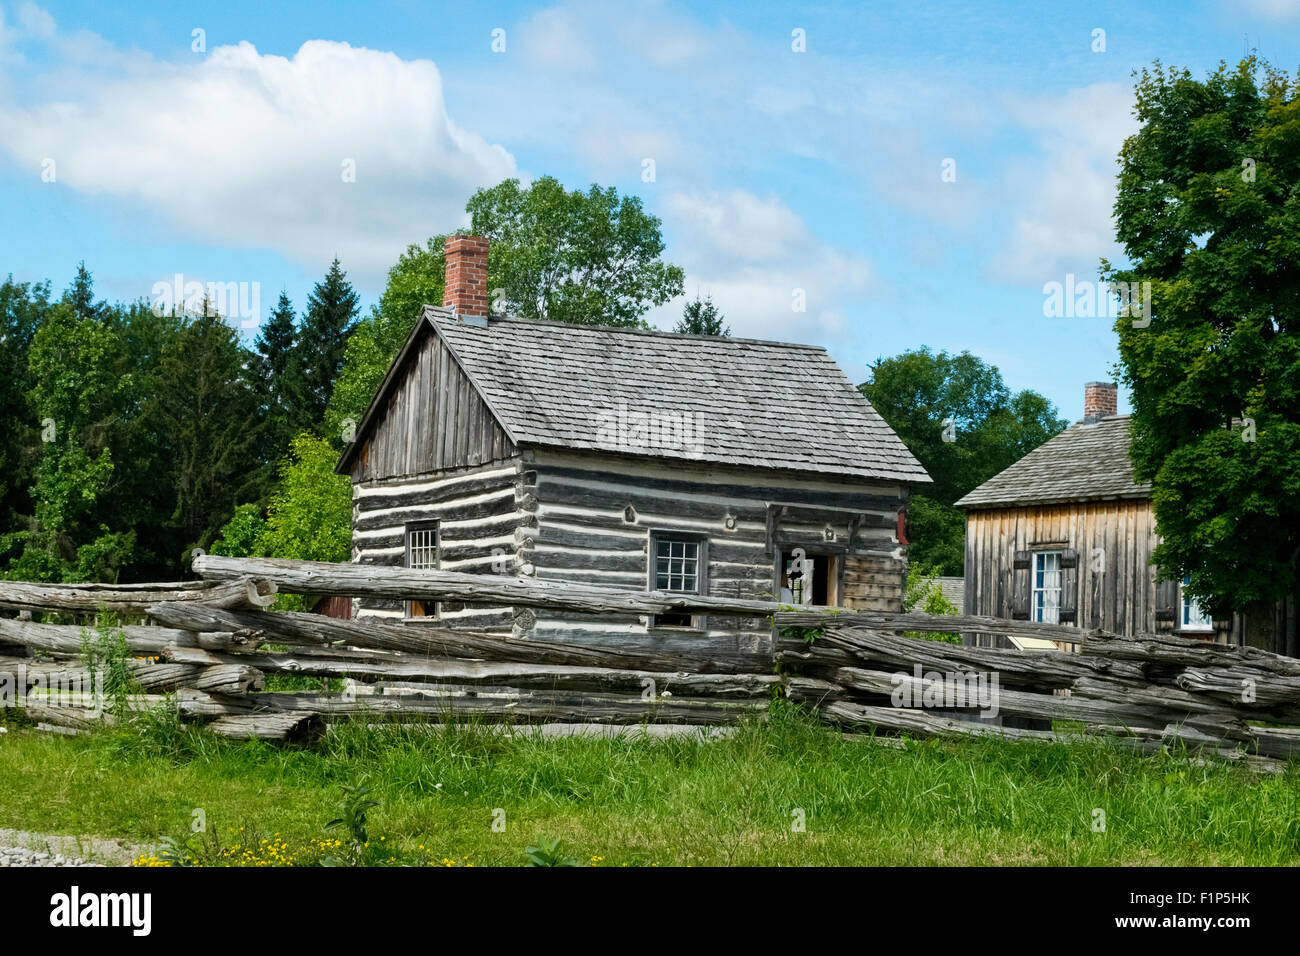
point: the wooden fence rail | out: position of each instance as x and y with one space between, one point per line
214 645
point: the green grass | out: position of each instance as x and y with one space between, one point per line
675 801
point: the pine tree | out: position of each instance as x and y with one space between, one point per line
81 295
331 316
277 392
204 410
701 317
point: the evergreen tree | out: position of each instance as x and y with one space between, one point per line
701 317
138 495
81 295
322 342
23 308
270 372
204 410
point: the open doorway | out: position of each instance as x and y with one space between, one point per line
809 578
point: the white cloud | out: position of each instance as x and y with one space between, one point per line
1064 224
557 39
35 21
750 255
1273 9
248 149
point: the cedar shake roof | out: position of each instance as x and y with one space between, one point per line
709 399
1088 461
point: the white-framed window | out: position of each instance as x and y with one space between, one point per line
422 552
677 563
1191 617
1045 606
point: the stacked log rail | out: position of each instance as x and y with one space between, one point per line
41 665
1147 690
211 644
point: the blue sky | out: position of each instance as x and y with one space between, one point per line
774 170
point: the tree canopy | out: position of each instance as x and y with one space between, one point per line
587 258
1208 212
955 414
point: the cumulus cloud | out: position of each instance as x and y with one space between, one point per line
245 148
1064 224
754 257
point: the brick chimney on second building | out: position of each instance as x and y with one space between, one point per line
1100 399
465 286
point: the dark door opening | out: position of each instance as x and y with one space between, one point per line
814 580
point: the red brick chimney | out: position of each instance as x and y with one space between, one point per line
1099 400
465 287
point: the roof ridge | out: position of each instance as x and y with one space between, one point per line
496 320
1078 463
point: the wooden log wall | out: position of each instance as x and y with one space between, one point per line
481 524
595 516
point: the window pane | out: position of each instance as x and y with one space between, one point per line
1046 601
1193 616
677 564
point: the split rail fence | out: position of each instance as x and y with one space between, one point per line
211 644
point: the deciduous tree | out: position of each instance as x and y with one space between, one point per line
1208 212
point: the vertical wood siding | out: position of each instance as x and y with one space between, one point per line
434 420
1121 598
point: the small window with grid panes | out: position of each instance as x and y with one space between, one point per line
422 552
677 565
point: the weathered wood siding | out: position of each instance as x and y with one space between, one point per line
480 516
434 420
1113 539
595 514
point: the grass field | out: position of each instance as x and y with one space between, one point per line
676 801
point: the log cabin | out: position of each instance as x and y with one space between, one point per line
1065 535
626 457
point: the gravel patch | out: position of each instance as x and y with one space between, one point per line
25 848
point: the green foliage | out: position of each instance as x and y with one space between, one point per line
414 281
23 308
203 848
317 356
238 538
272 383
587 258
1207 212
701 317
547 852
936 535
924 396
923 595
353 810
204 412
73 363
105 655
310 515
